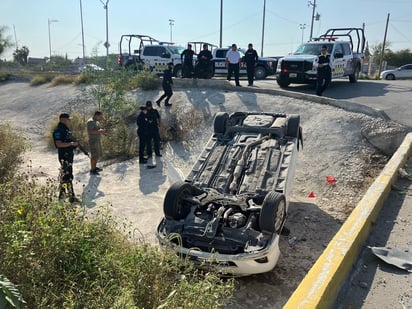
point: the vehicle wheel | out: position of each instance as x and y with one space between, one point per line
390 77
220 121
175 205
293 125
260 72
353 78
273 213
130 66
178 71
282 83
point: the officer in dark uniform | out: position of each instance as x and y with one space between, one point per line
167 85
324 75
153 118
203 68
143 133
251 58
187 59
65 145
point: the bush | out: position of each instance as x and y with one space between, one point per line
12 147
40 80
147 80
63 80
61 257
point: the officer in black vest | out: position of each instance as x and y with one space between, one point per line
324 75
65 145
251 59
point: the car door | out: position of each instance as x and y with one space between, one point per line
220 61
348 59
156 58
405 71
339 61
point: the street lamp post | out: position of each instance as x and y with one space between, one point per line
313 5
49 22
106 44
302 27
171 23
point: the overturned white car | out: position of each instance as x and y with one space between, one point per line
232 207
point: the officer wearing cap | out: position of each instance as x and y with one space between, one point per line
153 118
324 71
167 85
65 145
142 132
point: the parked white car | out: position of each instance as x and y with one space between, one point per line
90 67
404 71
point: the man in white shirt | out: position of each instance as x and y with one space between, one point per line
233 61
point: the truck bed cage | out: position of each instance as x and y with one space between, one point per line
336 33
198 46
144 40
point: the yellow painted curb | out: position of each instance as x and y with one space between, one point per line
320 286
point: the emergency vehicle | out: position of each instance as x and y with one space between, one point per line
345 46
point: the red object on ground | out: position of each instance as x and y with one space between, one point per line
311 194
331 180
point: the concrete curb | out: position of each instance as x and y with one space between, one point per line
320 286
227 86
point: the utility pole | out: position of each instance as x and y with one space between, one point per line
81 20
383 46
49 21
221 22
15 37
313 4
263 27
302 27
171 23
106 44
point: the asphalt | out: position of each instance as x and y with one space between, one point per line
321 285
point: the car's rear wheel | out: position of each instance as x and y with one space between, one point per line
176 205
283 83
177 72
390 77
293 126
219 125
273 213
353 78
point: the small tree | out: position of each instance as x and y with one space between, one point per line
4 42
20 55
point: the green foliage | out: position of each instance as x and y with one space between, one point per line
63 80
9 293
5 42
62 257
12 147
147 80
40 80
20 55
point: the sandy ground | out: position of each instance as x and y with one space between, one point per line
333 146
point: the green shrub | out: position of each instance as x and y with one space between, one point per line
40 80
62 257
63 80
147 80
12 147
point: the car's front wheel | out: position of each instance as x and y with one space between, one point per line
176 204
273 213
390 77
219 124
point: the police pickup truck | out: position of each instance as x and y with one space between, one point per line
264 67
142 52
345 46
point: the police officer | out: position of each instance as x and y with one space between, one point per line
143 132
167 85
324 70
187 59
153 118
204 64
65 145
251 59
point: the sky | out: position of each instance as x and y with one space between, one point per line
286 23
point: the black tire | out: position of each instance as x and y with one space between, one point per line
353 78
273 213
293 125
260 73
282 82
178 71
175 207
219 125
390 77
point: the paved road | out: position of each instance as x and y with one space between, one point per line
393 97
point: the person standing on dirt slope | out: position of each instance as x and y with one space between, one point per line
187 59
95 131
63 140
153 117
324 76
167 85
143 132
